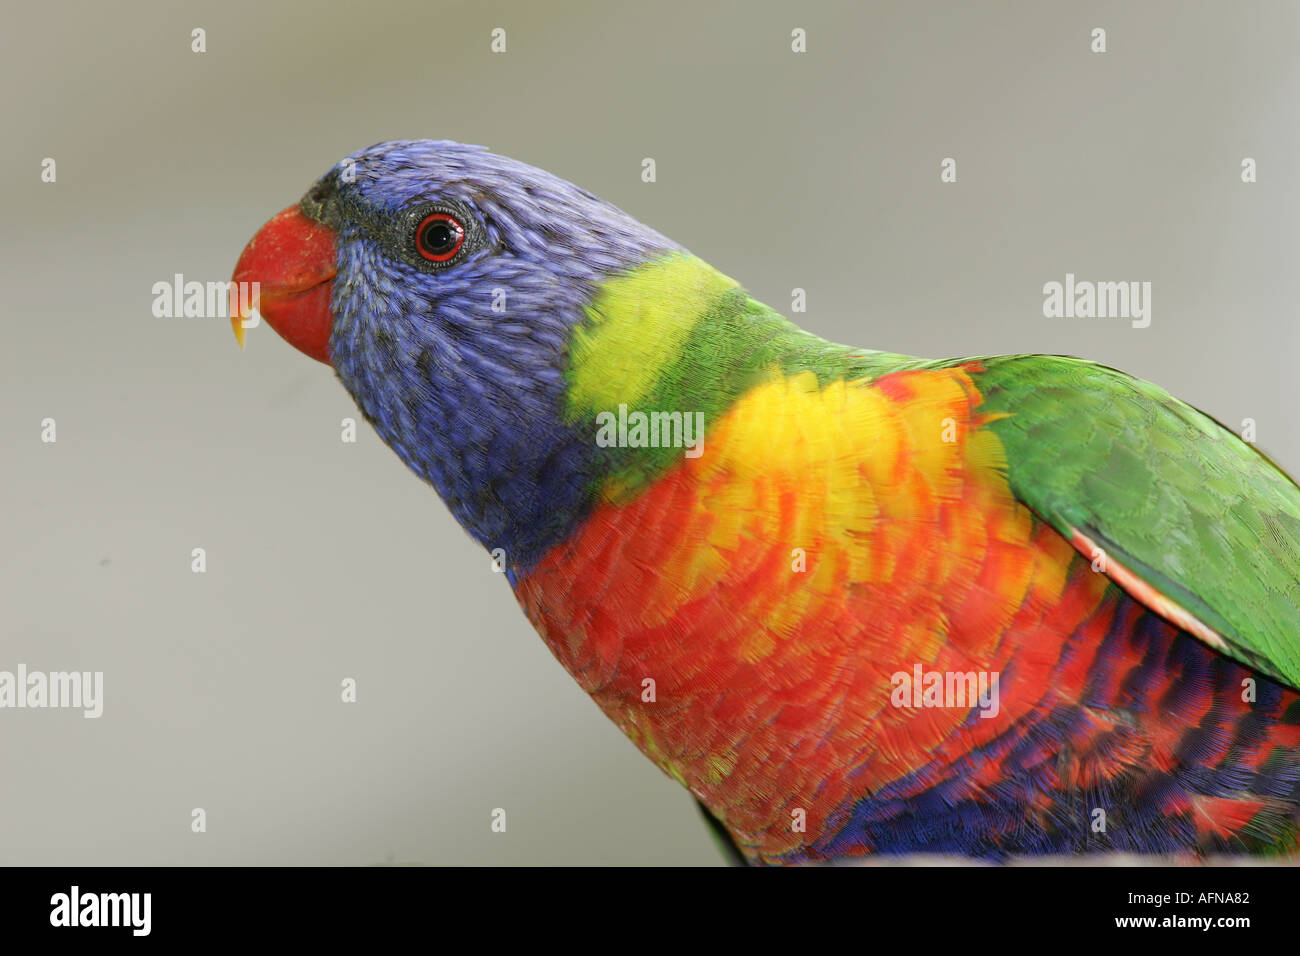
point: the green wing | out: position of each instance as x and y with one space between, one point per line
1195 522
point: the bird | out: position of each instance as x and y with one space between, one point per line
860 604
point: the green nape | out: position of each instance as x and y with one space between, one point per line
676 335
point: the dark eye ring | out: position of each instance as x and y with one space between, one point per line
439 237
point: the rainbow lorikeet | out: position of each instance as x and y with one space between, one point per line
856 602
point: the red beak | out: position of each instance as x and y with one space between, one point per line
286 274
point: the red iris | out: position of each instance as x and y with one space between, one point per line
439 237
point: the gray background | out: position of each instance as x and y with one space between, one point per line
328 560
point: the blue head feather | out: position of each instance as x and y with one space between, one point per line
470 396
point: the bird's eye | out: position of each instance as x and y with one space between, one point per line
439 237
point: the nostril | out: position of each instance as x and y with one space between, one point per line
317 198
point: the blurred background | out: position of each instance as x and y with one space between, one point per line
818 170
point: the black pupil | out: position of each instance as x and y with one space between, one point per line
439 237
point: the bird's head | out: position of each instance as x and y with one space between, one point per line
440 240
443 284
